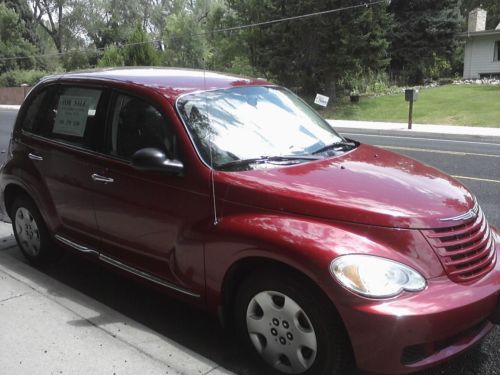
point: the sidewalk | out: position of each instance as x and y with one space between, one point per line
455 131
47 327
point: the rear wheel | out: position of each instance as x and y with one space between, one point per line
290 326
30 231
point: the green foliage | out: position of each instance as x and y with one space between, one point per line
76 60
184 46
140 50
425 34
12 42
354 50
440 67
313 54
111 57
19 77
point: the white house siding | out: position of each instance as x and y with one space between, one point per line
479 56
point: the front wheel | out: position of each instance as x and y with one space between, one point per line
30 231
290 326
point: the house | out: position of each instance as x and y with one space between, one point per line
482 48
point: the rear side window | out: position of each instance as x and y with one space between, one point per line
136 124
72 116
35 115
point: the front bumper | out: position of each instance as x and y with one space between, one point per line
419 330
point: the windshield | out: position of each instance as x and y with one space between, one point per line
252 122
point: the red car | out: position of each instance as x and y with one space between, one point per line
235 196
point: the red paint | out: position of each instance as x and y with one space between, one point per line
367 201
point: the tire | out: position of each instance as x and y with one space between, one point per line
31 232
287 323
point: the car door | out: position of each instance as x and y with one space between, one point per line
59 131
146 219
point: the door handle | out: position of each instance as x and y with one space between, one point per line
35 157
100 178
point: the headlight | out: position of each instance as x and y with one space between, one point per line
375 277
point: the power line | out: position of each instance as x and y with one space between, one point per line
223 30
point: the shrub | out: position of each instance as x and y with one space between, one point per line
112 56
18 77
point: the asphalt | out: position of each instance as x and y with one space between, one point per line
76 318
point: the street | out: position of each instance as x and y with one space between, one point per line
476 164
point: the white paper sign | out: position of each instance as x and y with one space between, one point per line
321 100
72 112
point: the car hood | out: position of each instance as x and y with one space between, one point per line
367 185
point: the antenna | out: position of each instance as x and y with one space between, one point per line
210 142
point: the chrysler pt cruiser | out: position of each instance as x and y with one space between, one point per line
234 195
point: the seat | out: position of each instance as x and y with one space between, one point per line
140 125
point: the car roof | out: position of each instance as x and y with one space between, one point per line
171 82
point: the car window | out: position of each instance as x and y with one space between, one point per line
72 116
251 122
35 115
137 124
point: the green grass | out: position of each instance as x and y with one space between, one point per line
475 105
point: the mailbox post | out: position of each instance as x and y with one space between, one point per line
411 95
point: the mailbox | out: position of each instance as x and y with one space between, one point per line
411 95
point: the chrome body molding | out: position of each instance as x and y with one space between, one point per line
74 245
145 275
472 213
125 267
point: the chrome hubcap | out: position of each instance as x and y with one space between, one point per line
281 332
27 231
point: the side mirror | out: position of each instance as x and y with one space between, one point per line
155 160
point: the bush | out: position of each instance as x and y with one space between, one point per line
112 56
74 60
15 78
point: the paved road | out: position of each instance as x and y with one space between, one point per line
202 334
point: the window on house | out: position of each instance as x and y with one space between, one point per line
497 51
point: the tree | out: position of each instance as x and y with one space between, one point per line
138 50
318 53
29 29
184 38
112 57
106 22
15 51
51 16
425 33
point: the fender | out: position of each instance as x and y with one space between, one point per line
34 186
291 240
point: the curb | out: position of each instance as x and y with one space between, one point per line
9 107
467 133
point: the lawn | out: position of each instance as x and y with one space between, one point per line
474 105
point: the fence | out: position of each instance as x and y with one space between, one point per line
13 95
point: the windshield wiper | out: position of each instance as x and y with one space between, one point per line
342 145
266 159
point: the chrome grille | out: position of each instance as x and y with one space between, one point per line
467 251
